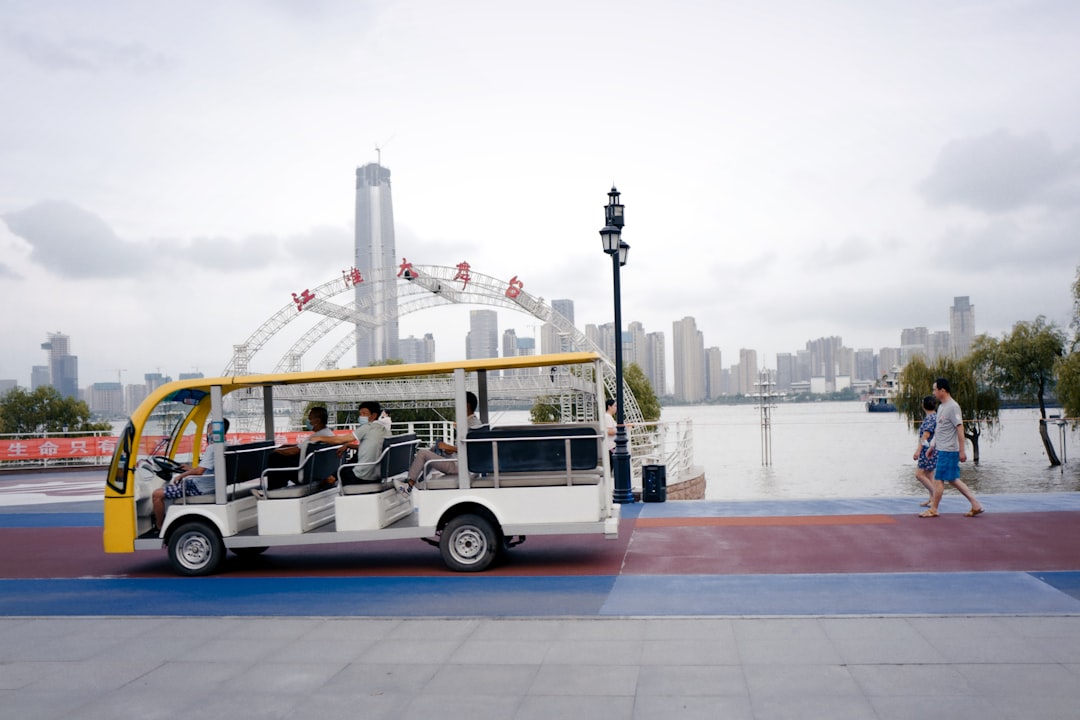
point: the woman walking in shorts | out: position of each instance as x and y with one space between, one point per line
926 460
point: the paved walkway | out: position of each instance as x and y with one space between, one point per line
946 618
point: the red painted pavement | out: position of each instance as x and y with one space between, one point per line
1027 541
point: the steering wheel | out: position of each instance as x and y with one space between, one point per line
168 464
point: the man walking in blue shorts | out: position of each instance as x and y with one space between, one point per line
949 443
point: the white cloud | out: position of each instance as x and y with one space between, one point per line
789 172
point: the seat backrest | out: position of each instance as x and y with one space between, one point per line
321 463
247 461
534 448
398 452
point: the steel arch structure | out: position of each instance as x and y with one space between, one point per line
419 288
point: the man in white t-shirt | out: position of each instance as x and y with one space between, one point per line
949 444
194 480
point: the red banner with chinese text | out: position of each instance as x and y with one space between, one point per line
102 448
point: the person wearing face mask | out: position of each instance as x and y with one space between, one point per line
372 427
293 455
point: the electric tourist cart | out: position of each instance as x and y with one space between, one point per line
511 481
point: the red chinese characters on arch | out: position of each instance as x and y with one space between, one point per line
514 288
406 270
463 274
302 299
352 277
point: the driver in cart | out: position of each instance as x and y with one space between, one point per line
198 480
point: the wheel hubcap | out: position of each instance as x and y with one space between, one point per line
195 551
468 544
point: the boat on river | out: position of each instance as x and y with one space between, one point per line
882 397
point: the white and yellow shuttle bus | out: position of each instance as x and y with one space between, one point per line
510 481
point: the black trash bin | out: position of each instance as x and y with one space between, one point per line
654 483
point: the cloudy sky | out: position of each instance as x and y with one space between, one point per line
170 172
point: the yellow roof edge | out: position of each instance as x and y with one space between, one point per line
374 372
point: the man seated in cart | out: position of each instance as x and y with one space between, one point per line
288 456
442 457
194 480
367 437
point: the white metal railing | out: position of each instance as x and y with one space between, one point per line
662 443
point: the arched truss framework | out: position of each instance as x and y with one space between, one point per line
419 288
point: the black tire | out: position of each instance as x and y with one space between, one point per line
469 543
249 552
196 548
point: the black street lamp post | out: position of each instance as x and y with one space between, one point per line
618 250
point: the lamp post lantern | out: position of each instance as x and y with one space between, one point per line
614 246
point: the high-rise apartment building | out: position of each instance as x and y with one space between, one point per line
961 326
417 350
482 341
888 361
155 380
551 340
509 343
714 373
938 345
107 399
634 343
689 355
565 308
134 395
785 371
748 372
39 376
865 365
845 362
656 364
63 366
825 358
376 260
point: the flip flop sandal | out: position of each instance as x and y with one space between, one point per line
973 513
929 513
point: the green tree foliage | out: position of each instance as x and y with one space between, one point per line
1068 384
1021 365
544 410
643 391
1068 367
978 399
44 410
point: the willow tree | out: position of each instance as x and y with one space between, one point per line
978 400
1021 364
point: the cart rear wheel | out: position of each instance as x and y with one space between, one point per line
469 543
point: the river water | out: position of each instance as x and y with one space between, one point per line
838 450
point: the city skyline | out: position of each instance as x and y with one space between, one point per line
824 365
856 188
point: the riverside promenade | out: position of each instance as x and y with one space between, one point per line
772 609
